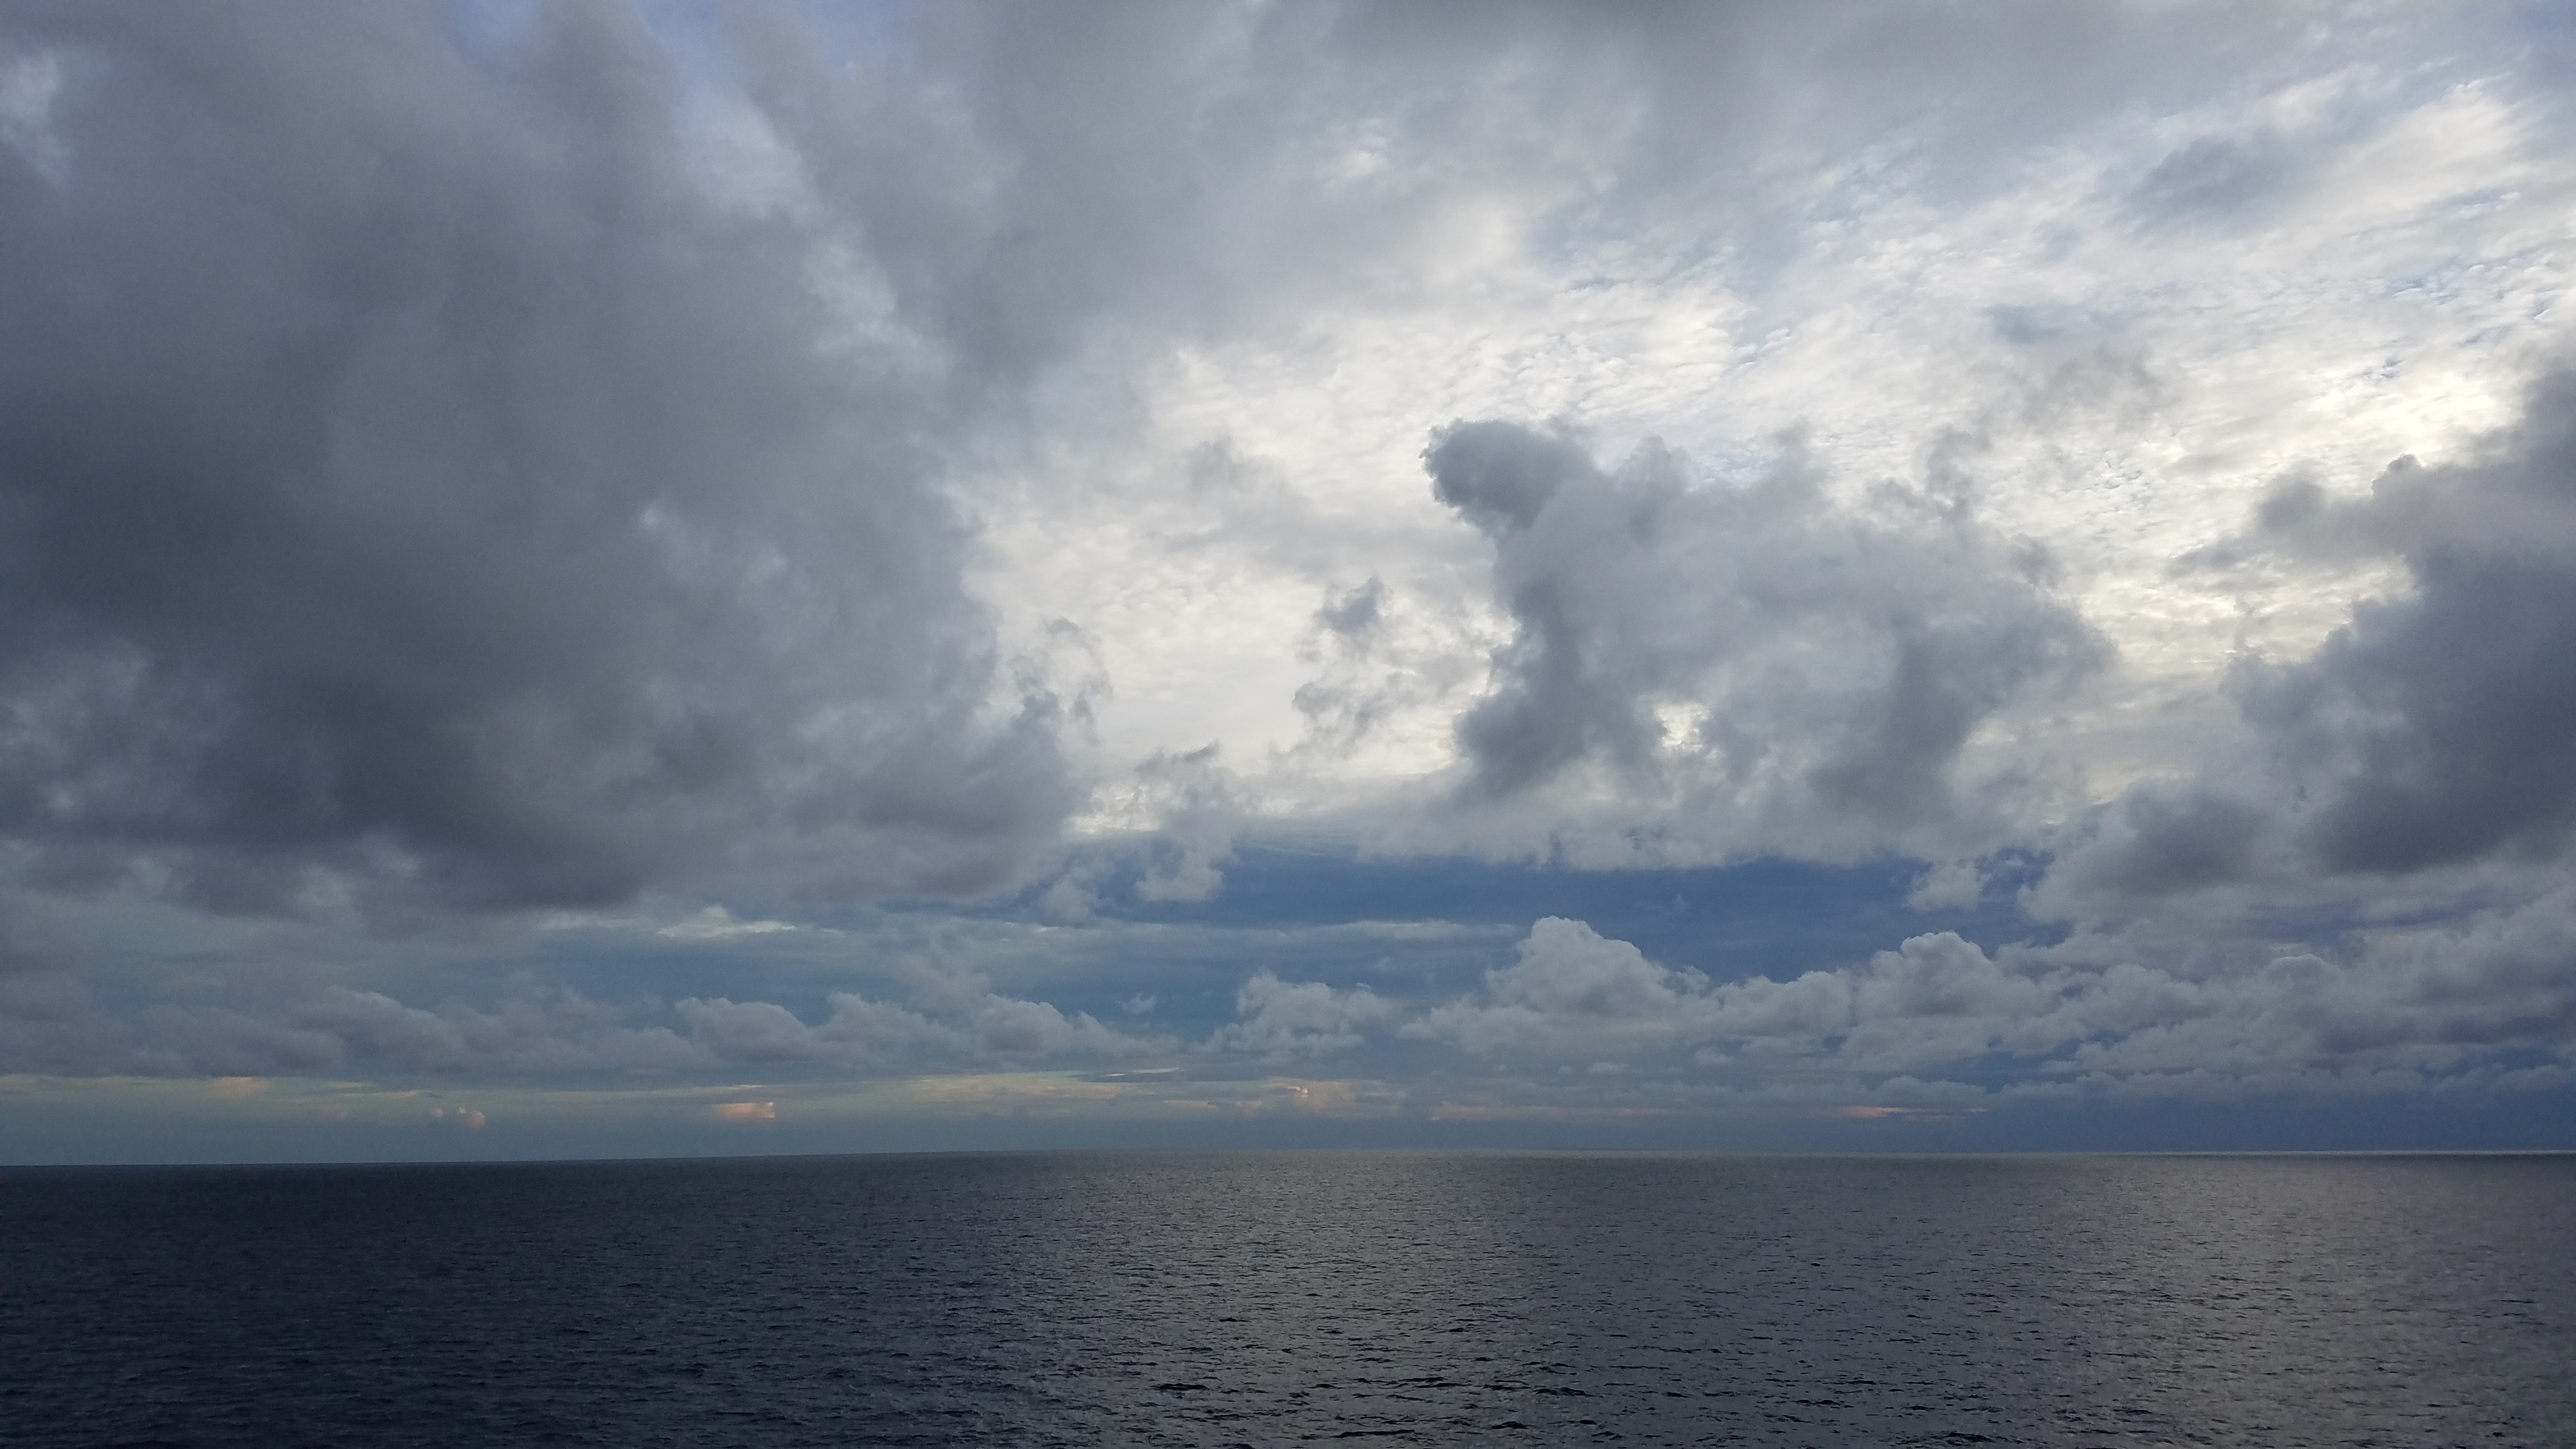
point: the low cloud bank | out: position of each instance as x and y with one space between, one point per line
48 1024
2483 1005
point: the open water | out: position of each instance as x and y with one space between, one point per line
1278 1298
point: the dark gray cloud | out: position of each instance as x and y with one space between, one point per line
414 464
2441 726
1354 614
2436 728
1755 645
2157 841
1500 475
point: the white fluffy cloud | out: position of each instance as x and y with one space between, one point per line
1284 1019
1571 992
2486 1002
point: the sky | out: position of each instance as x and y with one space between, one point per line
587 579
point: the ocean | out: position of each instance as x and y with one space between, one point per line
1294 1297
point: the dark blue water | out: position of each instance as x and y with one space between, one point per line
1281 1298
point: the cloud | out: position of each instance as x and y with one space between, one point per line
2213 178
1745 661
715 923
1383 663
2484 1003
2472 1006
341 1031
1571 992
952 1021
2158 840
543 479
1283 1019
51 1024
1951 885
2435 728
549 456
414 469
2445 720
1193 805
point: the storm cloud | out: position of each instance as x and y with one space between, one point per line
2435 728
427 466
2441 724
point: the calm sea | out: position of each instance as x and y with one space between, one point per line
1216 1299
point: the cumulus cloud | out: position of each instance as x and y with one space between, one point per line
2435 728
2488 1000
2442 724
1746 662
1282 1019
1570 991
416 466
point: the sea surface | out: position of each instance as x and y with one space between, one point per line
1279 1298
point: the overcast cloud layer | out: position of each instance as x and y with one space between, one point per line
867 565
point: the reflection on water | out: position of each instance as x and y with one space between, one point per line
1212 1299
